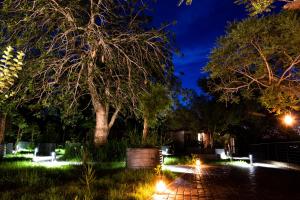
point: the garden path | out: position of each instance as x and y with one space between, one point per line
217 182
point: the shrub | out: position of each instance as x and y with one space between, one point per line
73 151
114 150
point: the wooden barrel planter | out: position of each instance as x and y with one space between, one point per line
142 158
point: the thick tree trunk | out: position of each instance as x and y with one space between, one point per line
145 129
2 126
211 140
101 110
102 128
103 124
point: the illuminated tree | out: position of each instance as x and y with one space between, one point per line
259 6
259 58
10 65
153 103
105 50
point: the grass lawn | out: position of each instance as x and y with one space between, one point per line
22 179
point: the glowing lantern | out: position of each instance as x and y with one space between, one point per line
288 120
160 186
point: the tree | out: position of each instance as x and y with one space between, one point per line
153 103
214 117
259 6
259 58
104 49
10 65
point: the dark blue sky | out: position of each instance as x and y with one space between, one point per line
198 26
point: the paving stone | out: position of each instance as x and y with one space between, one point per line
232 183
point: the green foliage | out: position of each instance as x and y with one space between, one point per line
257 6
30 181
87 179
177 160
155 102
120 185
158 170
169 174
274 98
10 66
110 73
73 151
113 150
258 58
153 140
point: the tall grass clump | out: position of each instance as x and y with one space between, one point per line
114 150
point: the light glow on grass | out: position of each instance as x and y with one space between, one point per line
266 165
179 169
41 158
223 156
17 155
244 164
240 164
56 164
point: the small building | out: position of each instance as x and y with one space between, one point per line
186 141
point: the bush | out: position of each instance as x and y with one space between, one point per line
73 151
177 160
135 140
114 150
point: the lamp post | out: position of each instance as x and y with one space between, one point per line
288 120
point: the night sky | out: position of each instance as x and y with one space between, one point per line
197 28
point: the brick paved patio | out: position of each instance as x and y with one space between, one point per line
230 183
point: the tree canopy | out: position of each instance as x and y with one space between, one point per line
259 6
153 103
106 50
259 58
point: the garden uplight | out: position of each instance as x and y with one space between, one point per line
288 120
198 163
160 186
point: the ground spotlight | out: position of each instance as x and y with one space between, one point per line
198 165
160 186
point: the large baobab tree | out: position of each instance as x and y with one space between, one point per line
101 48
